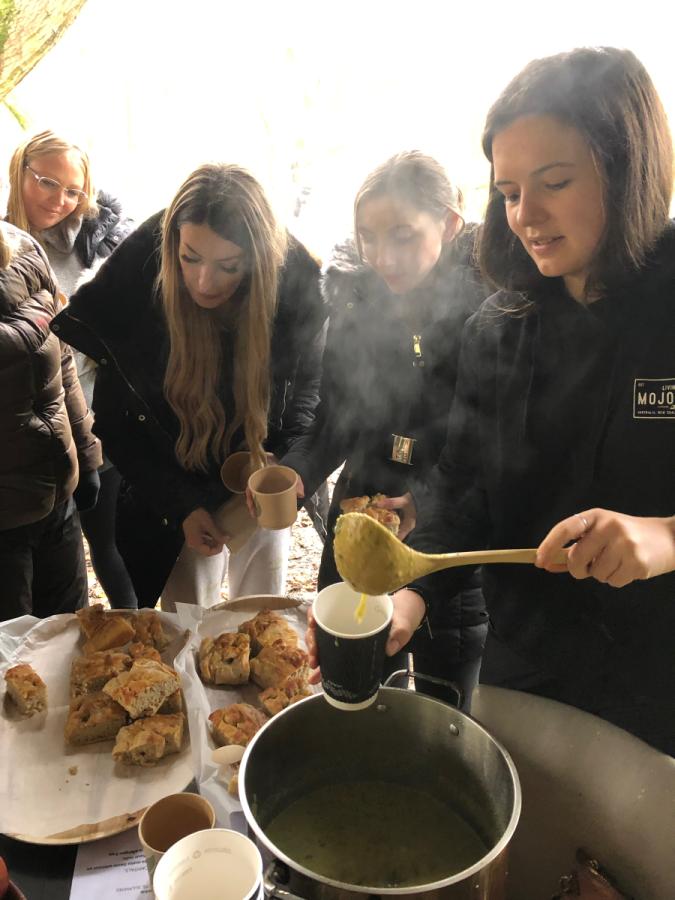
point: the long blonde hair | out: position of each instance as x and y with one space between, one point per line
231 203
42 144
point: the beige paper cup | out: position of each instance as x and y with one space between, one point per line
169 820
274 496
210 865
235 471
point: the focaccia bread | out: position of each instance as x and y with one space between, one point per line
145 742
149 629
172 704
26 688
225 659
114 631
94 717
275 663
90 673
291 689
266 628
137 650
236 724
90 618
366 505
143 689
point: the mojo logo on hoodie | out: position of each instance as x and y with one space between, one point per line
654 398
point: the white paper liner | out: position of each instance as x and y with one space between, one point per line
39 796
202 699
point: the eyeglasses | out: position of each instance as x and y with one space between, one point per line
52 186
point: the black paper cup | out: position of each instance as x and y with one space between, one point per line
351 654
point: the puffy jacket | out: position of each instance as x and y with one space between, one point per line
117 320
99 236
45 426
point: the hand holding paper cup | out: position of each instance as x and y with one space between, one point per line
210 865
169 820
274 496
351 652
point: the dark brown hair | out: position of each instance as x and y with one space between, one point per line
608 96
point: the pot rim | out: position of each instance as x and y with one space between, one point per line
478 866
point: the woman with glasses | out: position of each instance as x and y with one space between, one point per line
224 354
52 197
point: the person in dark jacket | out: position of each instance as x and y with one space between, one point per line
52 197
46 433
207 324
399 296
563 427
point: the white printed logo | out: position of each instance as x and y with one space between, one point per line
654 398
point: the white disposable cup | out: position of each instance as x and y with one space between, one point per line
218 864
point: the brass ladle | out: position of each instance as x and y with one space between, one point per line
373 561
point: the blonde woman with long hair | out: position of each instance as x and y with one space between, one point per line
208 328
52 197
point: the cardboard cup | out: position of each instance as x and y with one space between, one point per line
168 821
351 654
274 496
210 865
236 470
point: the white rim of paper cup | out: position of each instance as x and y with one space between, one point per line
349 707
238 837
362 634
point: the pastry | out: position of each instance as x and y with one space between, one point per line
137 650
225 659
367 505
293 688
266 628
144 688
149 629
27 689
236 724
114 631
90 618
145 742
93 717
275 663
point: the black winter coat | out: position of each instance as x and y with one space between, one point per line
390 367
561 409
117 320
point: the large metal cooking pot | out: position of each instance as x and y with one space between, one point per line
404 738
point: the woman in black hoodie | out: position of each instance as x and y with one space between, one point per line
563 428
398 296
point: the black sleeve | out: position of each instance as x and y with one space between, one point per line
145 458
453 511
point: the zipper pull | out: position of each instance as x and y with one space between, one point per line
417 350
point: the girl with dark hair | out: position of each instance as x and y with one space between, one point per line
207 324
563 427
399 295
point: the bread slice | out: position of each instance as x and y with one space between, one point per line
137 650
143 689
172 704
90 673
145 742
114 631
225 659
26 688
275 663
266 628
149 629
94 717
90 618
293 688
236 724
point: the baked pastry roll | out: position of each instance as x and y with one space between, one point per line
293 688
236 724
90 673
94 717
386 517
266 628
225 659
143 689
354 504
26 688
275 663
114 631
145 742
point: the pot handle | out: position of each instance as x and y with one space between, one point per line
272 883
432 679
